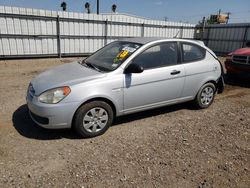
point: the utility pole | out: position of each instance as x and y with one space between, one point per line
218 17
97 6
228 16
219 12
203 23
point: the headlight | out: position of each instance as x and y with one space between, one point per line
54 96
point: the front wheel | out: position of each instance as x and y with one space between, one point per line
205 96
93 119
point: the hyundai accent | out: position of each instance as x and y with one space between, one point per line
123 77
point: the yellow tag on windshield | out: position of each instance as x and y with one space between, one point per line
123 54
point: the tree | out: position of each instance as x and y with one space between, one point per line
87 7
114 8
64 6
213 19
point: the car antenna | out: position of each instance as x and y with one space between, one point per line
177 34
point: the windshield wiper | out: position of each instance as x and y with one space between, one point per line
90 65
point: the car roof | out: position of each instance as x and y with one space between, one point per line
142 40
145 40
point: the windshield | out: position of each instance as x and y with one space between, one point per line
112 55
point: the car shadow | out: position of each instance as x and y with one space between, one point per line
27 128
153 112
237 81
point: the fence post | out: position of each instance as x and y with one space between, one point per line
142 30
181 32
106 33
58 36
208 33
203 27
245 36
202 31
198 35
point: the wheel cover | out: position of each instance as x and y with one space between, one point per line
207 95
95 119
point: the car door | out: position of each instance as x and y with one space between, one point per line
196 66
161 81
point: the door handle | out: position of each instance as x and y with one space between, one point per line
174 72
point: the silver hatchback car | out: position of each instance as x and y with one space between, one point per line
123 77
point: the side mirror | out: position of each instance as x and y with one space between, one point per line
133 68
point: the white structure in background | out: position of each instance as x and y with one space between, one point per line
225 38
35 32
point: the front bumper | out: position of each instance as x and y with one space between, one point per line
237 68
51 116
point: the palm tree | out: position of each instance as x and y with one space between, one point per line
87 7
114 8
64 6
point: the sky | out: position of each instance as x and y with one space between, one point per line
190 11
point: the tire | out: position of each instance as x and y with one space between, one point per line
93 119
205 96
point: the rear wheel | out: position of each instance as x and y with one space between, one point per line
93 119
205 96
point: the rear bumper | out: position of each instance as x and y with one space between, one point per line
220 84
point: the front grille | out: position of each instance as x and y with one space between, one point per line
241 59
39 119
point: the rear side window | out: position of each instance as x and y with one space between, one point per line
192 52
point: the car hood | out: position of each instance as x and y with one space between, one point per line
64 75
241 51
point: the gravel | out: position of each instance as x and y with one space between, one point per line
175 146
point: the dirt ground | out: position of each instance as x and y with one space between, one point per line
175 146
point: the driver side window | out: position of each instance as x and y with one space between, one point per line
161 55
